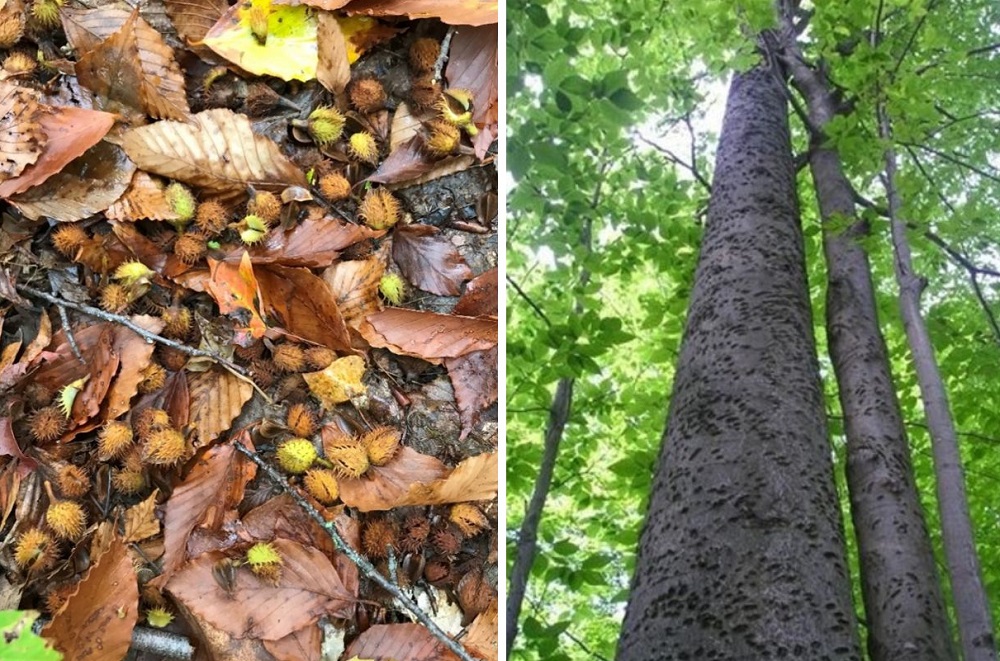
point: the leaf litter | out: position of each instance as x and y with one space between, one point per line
248 356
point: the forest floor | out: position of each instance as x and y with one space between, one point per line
248 336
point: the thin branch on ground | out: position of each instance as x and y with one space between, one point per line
443 55
527 299
362 563
74 347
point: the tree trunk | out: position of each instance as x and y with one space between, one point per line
972 609
904 607
742 555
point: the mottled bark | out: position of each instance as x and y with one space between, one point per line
904 606
972 608
742 555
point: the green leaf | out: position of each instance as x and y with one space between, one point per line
19 643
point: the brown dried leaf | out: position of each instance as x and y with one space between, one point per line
429 335
236 291
355 287
429 260
482 639
480 298
96 623
9 447
409 165
308 588
281 517
100 364
412 642
194 18
217 151
311 243
149 252
454 12
472 66
10 479
303 305
135 353
144 199
404 127
475 594
217 397
140 520
214 486
21 135
334 70
387 487
476 478
474 379
71 132
302 645
88 185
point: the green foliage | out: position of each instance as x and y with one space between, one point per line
19 643
584 81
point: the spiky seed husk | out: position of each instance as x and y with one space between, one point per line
177 322
47 424
291 386
322 485
380 209
301 420
115 298
246 354
114 440
382 444
297 455
20 63
320 357
334 187
164 447
38 395
469 519
366 94
424 54
133 273
326 125
392 287
181 201
363 147
190 247
442 139
263 371
11 29
127 481
66 519
211 217
348 458
265 561
68 238
289 357
35 550
173 359
447 541
377 536
437 570
148 421
73 481
46 12
266 205
154 377
425 92
416 528
159 617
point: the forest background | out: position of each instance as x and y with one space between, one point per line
610 155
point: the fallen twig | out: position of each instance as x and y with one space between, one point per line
74 347
443 55
366 567
162 643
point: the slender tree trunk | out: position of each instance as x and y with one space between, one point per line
742 555
972 609
902 593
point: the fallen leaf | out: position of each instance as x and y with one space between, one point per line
480 298
362 33
290 52
9 447
144 199
354 284
482 638
217 645
140 520
135 67
217 397
100 364
71 132
213 486
236 291
339 382
311 243
472 66
409 165
281 517
475 478
148 252
217 150
88 185
454 12
429 335
96 623
386 487
475 381
10 477
334 69
136 354
301 645
475 594
303 305
429 260
194 18
307 589
413 642
21 136
405 126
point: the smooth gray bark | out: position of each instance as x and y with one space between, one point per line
742 554
904 606
972 608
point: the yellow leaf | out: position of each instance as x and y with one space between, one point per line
289 52
339 382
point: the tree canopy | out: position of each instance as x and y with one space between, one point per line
613 111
